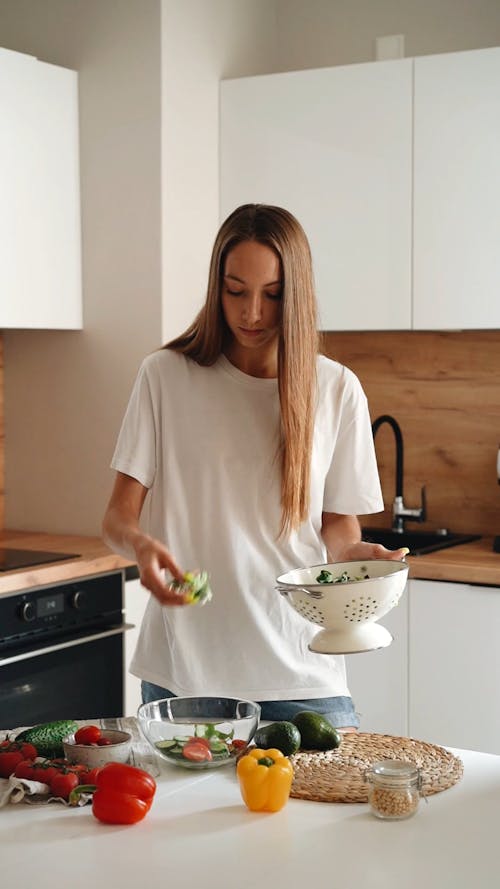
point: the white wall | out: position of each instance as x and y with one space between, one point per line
318 33
65 392
202 41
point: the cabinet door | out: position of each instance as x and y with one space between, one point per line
333 146
457 191
136 599
455 664
378 680
40 276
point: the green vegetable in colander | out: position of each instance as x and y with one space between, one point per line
326 576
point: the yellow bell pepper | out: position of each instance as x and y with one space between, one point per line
265 778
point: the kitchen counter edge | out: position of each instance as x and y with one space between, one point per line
95 558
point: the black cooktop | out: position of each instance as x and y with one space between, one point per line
10 559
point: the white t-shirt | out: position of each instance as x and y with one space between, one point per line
204 441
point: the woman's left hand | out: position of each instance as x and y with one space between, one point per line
341 534
368 551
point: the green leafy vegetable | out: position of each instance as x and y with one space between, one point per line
327 577
196 587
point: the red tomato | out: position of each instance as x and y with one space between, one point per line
62 784
28 750
194 740
103 742
25 769
44 773
77 767
88 734
9 759
238 744
196 752
90 777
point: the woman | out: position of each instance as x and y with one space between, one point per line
245 453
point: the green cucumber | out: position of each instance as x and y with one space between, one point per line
47 737
168 745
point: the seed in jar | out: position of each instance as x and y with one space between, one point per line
393 803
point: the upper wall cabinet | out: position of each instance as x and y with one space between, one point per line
333 146
392 167
40 254
457 190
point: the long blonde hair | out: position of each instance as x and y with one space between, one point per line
298 339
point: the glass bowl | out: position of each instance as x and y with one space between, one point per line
199 732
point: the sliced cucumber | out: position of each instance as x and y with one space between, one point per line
167 745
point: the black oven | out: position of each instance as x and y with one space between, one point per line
62 651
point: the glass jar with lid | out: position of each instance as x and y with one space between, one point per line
394 789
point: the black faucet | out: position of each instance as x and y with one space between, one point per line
400 512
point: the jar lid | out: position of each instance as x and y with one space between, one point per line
395 772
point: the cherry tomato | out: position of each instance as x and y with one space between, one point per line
194 740
238 744
90 777
88 734
25 769
63 783
28 750
103 742
44 773
77 767
196 752
9 759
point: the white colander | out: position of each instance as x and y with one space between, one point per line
346 611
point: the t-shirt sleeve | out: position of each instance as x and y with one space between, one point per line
135 452
352 485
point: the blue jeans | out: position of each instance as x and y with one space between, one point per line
339 711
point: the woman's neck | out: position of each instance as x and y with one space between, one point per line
255 363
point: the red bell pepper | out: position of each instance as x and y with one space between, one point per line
122 794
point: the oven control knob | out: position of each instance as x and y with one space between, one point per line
28 612
79 600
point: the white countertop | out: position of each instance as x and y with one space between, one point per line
199 835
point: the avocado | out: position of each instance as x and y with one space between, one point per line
283 736
316 732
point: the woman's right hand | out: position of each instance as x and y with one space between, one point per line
121 531
153 558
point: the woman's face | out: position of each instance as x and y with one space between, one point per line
251 299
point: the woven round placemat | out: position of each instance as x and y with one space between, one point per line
338 776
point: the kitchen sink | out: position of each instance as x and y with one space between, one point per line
418 542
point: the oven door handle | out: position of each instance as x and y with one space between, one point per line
79 640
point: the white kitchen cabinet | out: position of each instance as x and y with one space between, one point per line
454 664
333 146
136 599
40 253
392 168
378 680
457 190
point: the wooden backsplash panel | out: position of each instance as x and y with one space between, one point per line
2 442
444 391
